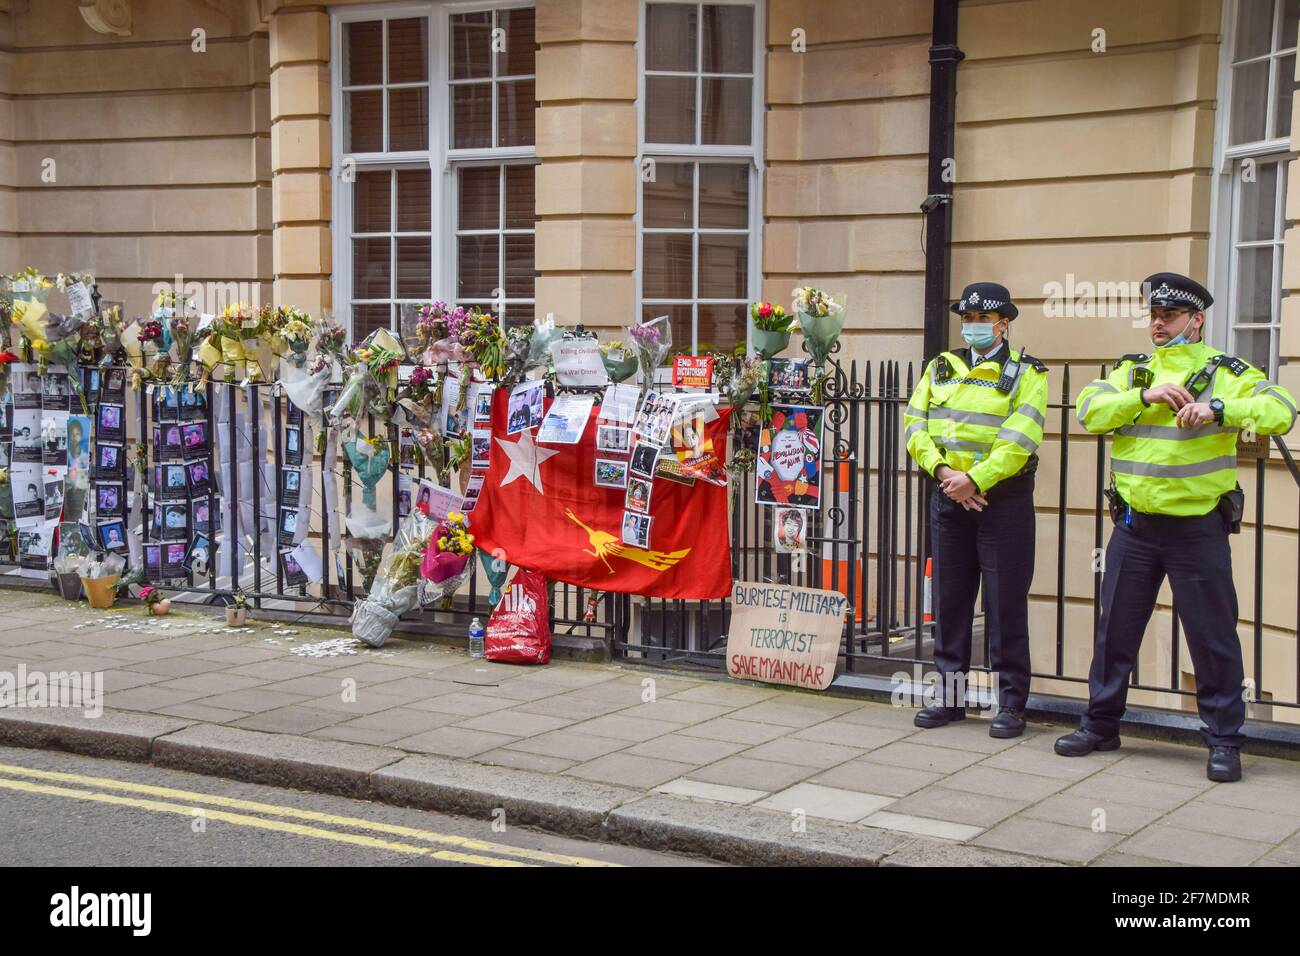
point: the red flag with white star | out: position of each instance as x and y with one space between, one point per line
541 507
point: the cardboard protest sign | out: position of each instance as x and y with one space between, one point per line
784 635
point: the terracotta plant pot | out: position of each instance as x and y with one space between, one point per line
159 608
100 592
235 616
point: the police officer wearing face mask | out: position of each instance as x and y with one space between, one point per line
1174 498
974 424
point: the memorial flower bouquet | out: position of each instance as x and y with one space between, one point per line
225 344
771 328
152 346
154 600
620 361
450 547
821 318
370 458
545 332
293 335
652 340
482 338
396 587
60 347
181 328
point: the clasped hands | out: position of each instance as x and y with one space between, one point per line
960 487
1188 412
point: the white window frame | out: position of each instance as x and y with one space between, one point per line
678 152
1224 255
441 160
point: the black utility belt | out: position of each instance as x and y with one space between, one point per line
1230 509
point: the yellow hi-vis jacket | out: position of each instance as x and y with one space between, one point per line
1159 468
986 421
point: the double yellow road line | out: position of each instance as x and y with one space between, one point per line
276 817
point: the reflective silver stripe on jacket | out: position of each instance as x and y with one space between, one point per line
1101 386
960 445
1030 412
913 429
1148 470
1019 438
1262 386
970 418
1172 432
915 412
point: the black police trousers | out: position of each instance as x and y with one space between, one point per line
996 544
1194 553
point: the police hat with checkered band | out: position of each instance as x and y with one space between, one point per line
986 297
1170 290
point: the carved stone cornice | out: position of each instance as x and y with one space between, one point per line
111 17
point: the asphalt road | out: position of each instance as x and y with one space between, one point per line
82 811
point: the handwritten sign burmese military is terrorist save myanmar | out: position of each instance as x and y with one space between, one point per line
784 635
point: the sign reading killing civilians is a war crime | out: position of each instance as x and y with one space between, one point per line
784 635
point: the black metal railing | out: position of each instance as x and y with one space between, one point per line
870 541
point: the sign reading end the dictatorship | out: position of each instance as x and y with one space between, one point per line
784 635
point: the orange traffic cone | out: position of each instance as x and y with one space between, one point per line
928 606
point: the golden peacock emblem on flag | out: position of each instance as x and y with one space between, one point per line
603 544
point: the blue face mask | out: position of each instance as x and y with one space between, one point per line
1179 339
978 334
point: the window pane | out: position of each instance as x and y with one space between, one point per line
413 213
666 265
471 45
724 196
668 198
408 119
1254 285
365 122
720 327
1255 346
414 261
670 109
520 274
476 271
728 111
471 109
1285 87
679 317
1257 202
479 197
1254 28
521 206
723 266
367 318
371 199
408 51
365 53
670 37
728 39
517 107
518 314
1290 20
371 269
1249 102
519 58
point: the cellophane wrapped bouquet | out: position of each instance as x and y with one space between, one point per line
396 589
447 559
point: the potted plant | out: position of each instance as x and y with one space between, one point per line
154 600
237 613
771 328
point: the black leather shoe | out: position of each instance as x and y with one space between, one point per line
1008 723
1224 765
1083 742
936 716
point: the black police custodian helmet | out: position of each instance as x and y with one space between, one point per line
1172 290
986 297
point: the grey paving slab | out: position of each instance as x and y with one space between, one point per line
521 690
787 713
216 715
720 793
372 673
240 654
628 770
569 744
462 702
218 682
969 734
686 749
677 711
453 742
1005 783
1185 767
943 802
115 679
751 774
355 735
861 736
804 753
1025 758
367 702
1143 793
401 721
1270 772
317 685
1112 816
1052 840
872 777
828 803
925 826
276 670
882 715
632 729
1252 796
418 686
149 698
515 724
253 700
525 761
736 731
175 666
564 705
1193 847
904 753
76 662
1237 822
629 691
726 694
289 720
480 672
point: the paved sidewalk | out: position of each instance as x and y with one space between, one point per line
646 757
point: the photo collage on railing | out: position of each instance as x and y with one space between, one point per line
182 484
299 561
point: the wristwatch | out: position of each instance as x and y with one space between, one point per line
1216 406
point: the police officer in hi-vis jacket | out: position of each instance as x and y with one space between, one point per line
974 424
1174 497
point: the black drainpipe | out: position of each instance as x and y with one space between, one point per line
944 57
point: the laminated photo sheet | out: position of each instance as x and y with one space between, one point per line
270 481
238 520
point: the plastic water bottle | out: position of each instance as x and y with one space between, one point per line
475 638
